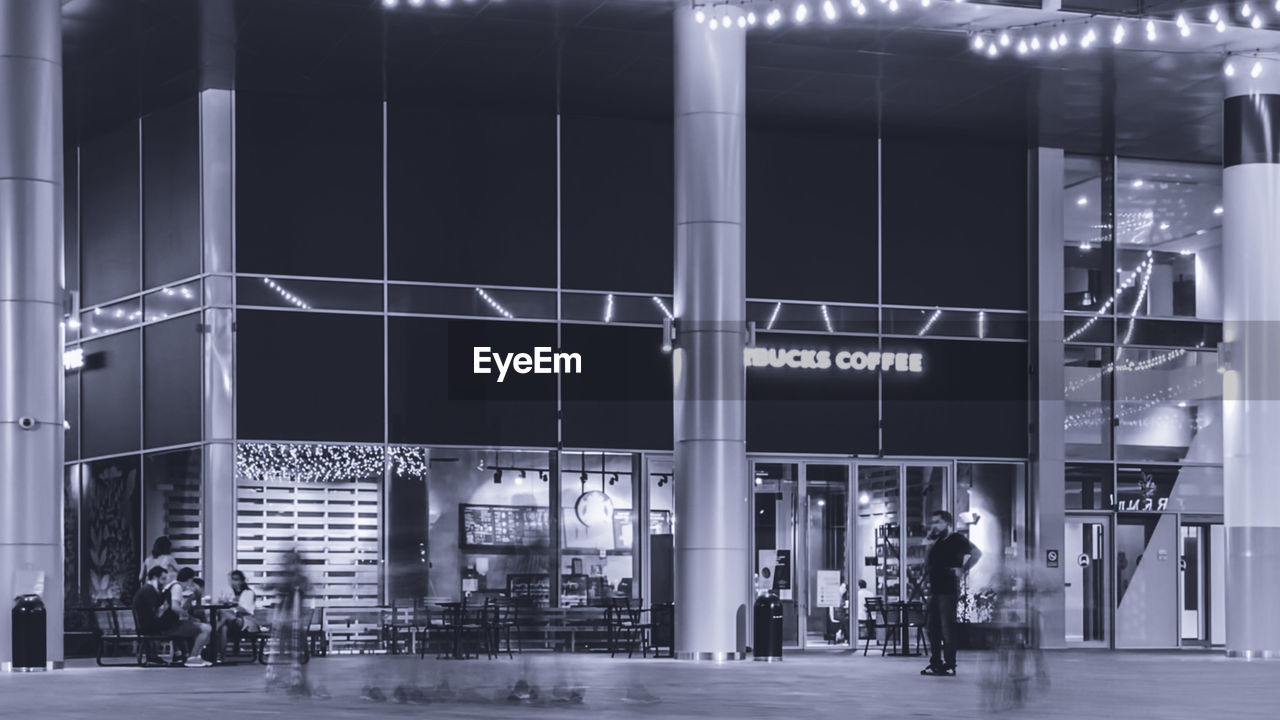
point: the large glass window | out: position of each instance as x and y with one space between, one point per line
111 395
1087 254
1169 238
171 193
172 503
490 525
597 528
110 237
1168 405
990 507
1087 373
172 382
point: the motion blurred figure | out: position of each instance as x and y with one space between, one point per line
286 669
1015 660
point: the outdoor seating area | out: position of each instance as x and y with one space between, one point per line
493 627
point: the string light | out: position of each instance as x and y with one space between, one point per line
312 462
608 308
658 301
826 318
774 316
937 313
297 301
494 303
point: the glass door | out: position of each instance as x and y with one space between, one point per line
1192 581
1146 555
924 493
1086 559
777 491
878 535
826 555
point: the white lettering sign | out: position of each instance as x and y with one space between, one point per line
542 362
902 362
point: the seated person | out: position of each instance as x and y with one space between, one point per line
195 596
238 619
156 616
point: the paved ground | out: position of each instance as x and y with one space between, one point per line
1089 684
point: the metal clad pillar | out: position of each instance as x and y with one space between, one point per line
712 492
31 290
1251 386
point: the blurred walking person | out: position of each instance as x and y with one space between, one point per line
286 667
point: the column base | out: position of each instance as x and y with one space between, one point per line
51 665
715 657
1254 654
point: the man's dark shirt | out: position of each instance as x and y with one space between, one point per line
144 609
945 555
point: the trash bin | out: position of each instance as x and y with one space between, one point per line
29 651
768 628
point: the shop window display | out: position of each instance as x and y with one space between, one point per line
597 528
990 507
490 529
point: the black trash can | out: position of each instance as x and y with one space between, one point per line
29 651
768 629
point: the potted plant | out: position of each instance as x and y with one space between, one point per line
975 611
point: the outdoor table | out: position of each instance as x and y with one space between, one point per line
903 650
214 609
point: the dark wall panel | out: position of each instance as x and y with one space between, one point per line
622 399
437 398
811 410
308 186
471 196
617 190
110 244
171 194
955 225
811 216
308 376
111 395
171 382
971 401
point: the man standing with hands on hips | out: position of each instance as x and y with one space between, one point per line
949 558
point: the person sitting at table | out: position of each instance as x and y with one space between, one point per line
156 616
239 618
195 596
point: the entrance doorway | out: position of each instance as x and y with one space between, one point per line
1087 561
1201 577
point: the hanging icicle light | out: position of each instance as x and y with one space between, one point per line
801 13
699 16
1117 36
828 10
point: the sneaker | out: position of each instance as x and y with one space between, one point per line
638 695
372 694
197 662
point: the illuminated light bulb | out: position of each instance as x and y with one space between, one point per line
417 3
1004 39
700 16
978 42
1151 30
893 5
773 18
1063 40
1182 20
862 10
1246 10
742 21
1217 210
1214 16
1277 5
390 3
1022 47
1138 183
1230 70
828 10
1256 22
1117 37
1053 44
1185 31
1035 43
1082 201
924 3
1256 70
715 23
992 51
1221 26
751 19
802 12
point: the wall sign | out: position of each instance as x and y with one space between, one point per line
829 588
1051 558
856 360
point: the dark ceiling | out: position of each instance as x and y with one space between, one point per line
913 75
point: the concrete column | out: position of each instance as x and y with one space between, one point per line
31 289
712 491
1048 387
1251 386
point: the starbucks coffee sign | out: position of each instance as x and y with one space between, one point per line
850 360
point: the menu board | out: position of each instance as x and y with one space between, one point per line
659 524
503 526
